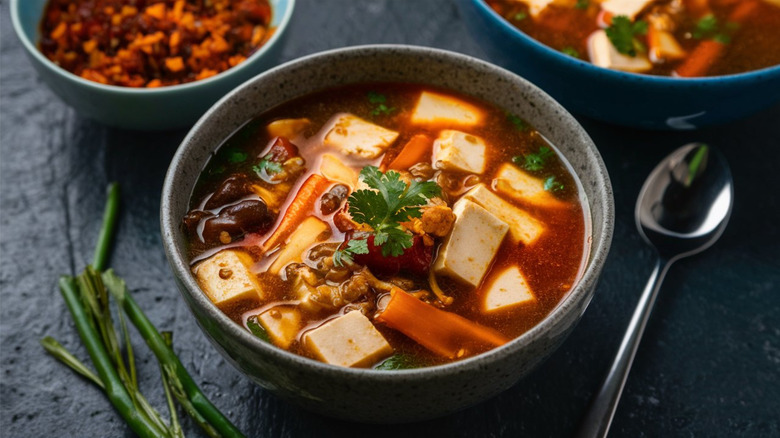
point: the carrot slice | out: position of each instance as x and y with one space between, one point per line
412 153
701 59
444 333
300 208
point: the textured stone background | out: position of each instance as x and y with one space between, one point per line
709 364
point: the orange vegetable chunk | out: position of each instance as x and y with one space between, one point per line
299 209
442 332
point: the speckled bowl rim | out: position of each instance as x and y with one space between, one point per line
599 248
225 75
722 80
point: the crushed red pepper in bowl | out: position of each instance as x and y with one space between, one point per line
148 43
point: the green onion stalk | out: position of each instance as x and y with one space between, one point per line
87 298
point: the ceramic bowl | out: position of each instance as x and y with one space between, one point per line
368 395
643 101
145 109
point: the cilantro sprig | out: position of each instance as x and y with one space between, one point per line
381 107
623 32
708 27
536 161
553 185
354 246
388 203
518 123
267 168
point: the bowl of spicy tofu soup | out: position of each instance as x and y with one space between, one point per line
659 64
387 233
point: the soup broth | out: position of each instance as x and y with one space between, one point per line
685 38
279 206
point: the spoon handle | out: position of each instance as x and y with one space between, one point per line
602 409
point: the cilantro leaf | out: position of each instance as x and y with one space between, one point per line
390 202
257 329
519 123
582 4
375 97
571 51
236 156
382 109
354 246
551 185
400 361
265 167
520 16
708 27
536 161
622 33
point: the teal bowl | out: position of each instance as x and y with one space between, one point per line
145 109
630 99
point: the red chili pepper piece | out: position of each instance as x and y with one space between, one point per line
415 259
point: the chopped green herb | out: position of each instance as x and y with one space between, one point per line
517 121
705 26
571 51
355 246
218 170
257 329
708 27
551 185
391 202
399 362
520 16
382 109
721 38
582 4
236 156
375 97
536 161
622 33
265 167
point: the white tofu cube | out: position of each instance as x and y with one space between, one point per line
604 54
287 128
472 244
535 7
507 289
282 324
310 231
519 185
354 136
522 226
459 151
226 279
435 108
629 8
350 341
335 170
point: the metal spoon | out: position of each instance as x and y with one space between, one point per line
683 208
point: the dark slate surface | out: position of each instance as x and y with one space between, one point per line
709 364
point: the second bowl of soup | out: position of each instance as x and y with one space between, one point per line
420 235
651 64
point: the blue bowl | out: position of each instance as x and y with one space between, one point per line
148 109
644 101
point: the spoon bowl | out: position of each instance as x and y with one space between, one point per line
685 203
682 209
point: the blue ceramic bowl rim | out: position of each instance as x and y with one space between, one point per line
589 278
545 50
224 75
